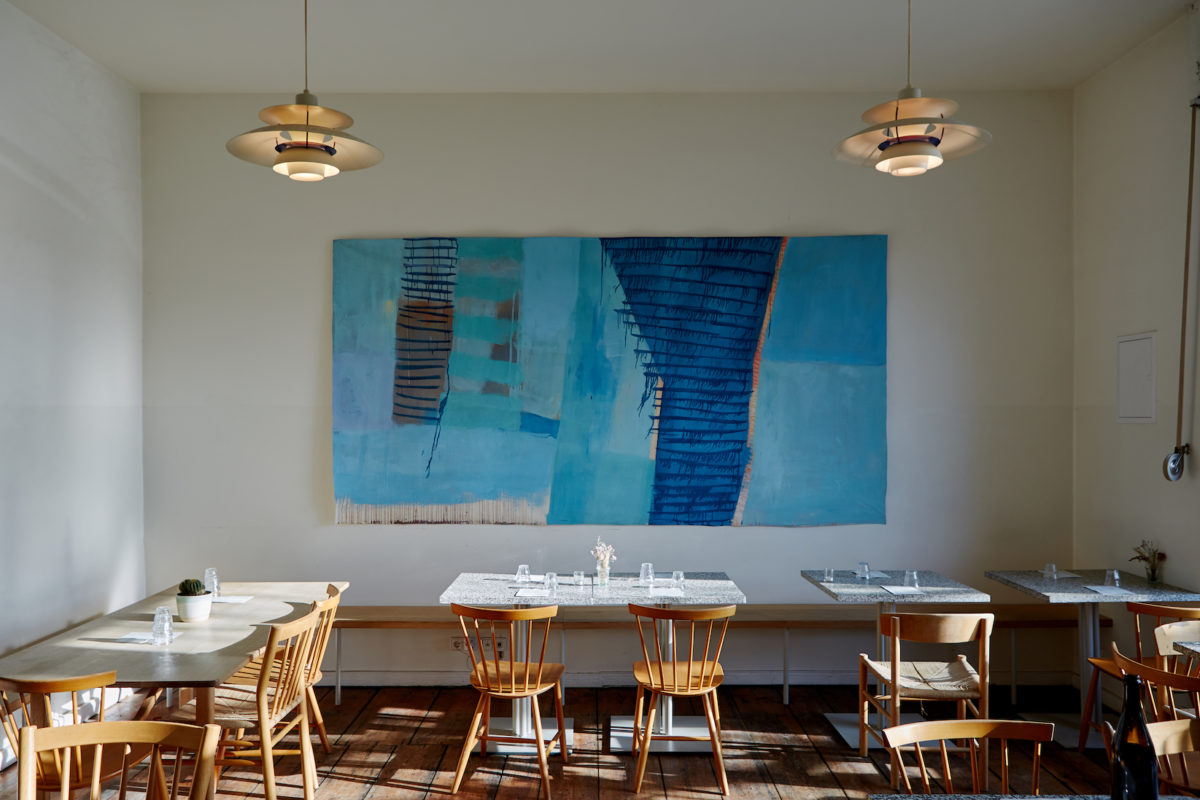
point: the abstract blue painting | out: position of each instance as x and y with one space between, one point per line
641 380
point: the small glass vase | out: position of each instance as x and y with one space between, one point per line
601 574
1154 575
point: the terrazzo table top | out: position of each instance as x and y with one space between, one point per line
491 589
1074 589
847 587
1191 649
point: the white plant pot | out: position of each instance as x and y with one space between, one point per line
194 608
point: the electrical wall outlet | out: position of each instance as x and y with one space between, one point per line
459 645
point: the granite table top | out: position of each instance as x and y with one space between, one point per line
1191 649
491 589
1075 589
885 586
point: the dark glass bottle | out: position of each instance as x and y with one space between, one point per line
1134 767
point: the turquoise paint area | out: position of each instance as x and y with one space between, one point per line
488 411
602 471
831 302
823 460
548 288
488 329
388 467
478 368
485 287
487 250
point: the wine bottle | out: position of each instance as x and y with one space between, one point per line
1134 767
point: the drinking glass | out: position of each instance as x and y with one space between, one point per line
211 582
1050 571
864 570
1112 577
828 576
577 576
646 577
910 578
677 579
551 583
523 573
163 625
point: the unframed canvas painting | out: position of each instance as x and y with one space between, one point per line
661 381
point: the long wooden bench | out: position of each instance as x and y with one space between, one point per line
782 617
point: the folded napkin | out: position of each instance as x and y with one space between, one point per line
233 598
901 589
137 637
1099 589
673 591
533 593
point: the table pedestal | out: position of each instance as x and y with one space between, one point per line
503 726
620 739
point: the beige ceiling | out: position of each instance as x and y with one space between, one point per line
600 45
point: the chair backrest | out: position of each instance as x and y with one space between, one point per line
685 654
1160 687
190 749
327 608
1172 739
941 628
1147 617
520 673
33 702
284 672
974 731
1165 637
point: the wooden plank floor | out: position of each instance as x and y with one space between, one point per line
403 742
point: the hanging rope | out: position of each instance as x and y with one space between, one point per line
1173 465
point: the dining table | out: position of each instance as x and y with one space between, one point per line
885 589
200 657
503 590
1087 589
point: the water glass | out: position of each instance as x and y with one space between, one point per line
551 583
577 577
164 625
1112 577
646 576
910 578
677 579
211 582
864 570
523 573
828 576
1050 571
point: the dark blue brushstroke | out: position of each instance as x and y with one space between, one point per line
696 307
536 423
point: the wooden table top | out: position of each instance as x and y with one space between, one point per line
203 653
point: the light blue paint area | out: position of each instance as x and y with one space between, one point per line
489 329
479 286
548 288
602 471
387 467
478 368
822 459
484 251
831 302
490 411
535 423
362 391
367 285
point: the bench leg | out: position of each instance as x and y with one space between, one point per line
786 680
1012 675
337 685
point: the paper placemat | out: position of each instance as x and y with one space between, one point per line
533 592
233 598
902 589
673 591
137 637
1106 589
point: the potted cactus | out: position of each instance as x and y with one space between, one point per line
193 602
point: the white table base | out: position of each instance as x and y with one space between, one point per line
620 738
503 726
846 725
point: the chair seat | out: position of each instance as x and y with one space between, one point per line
931 680
234 707
676 680
1191 762
499 685
111 761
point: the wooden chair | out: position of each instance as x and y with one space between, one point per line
681 658
1176 743
248 675
521 675
272 708
33 702
1161 689
189 751
1165 637
1146 618
900 680
975 732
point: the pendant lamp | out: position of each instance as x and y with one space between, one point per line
912 134
304 140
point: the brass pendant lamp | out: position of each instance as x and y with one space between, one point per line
912 134
304 140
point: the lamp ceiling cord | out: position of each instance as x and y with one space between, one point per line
908 64
1174 462
306 108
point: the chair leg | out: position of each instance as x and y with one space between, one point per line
562 725
714 734
1085 721
543 759
644 747
476 718
486 726
315 717
864 707
308 760
637 720
268 764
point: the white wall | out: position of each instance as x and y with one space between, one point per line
70 336
1131 154
237 318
